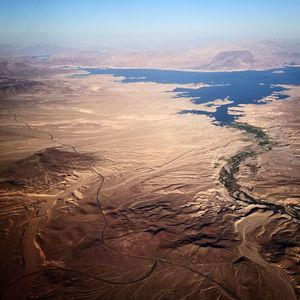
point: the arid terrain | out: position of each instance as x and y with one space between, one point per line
107 192
238 55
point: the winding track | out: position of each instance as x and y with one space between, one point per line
155 260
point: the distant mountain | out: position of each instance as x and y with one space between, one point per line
228 56
43 50
11 68
38 50
16 76
8 50
9 85
236 59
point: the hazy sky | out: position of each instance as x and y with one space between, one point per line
145 22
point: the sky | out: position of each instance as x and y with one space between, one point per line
132 23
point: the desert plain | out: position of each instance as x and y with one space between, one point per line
107 192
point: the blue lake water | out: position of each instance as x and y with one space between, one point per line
240 87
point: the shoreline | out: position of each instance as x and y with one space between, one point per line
80 67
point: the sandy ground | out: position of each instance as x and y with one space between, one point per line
109 193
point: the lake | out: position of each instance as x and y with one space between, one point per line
240 87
